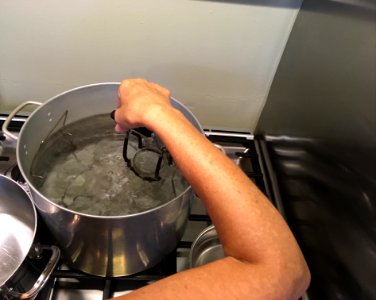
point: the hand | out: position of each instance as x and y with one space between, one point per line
138 100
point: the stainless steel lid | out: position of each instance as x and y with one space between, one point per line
17 227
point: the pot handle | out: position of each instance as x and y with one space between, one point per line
11 116
42 279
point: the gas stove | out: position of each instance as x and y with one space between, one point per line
65 283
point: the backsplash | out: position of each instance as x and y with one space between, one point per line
217 57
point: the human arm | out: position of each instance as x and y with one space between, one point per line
263 260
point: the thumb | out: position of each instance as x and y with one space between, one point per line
119 128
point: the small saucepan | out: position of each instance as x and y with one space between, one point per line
18 226
206 248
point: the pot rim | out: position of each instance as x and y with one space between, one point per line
31 186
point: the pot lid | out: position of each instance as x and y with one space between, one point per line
18 226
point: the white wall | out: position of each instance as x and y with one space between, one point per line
216 57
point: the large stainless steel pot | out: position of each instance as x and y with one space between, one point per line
104 246
18 225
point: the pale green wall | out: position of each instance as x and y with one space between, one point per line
216 57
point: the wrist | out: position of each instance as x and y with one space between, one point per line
157 115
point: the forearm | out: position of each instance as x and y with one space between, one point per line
249 226
226 279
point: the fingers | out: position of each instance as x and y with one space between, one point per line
121 124
160 89
119 129
135 97
124 88
127 85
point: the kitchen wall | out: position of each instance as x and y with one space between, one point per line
217 57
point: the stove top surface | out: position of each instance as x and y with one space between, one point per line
65 283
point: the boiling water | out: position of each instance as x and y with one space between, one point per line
81 167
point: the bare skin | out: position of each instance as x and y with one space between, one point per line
263 259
